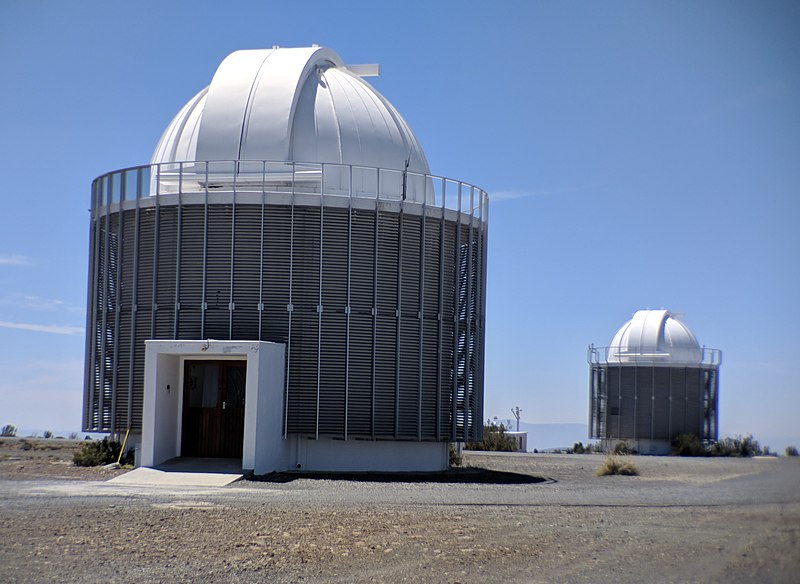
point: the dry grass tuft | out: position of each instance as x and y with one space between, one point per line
616 465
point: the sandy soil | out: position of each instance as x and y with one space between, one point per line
30 458
698 520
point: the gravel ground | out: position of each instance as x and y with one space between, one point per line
698 520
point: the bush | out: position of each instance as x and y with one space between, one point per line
790 451
495 439
688 445
742 446
8 431
577 448
455 458
592 447
616 465
622 449
99 452
47 434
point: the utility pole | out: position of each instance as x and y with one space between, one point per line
516 411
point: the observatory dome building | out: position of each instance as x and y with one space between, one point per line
286 282
653 382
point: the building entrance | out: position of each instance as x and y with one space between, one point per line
213 409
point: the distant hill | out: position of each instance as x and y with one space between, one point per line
545 436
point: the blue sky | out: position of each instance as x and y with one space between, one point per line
638 154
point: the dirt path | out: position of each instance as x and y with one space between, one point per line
682 520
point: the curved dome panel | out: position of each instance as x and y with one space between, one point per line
655 336
300 105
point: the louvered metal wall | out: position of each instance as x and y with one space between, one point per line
636 402
381 308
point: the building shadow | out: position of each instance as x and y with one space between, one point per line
479 476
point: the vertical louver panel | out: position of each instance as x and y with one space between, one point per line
334 261
643 403
429 348
388 268
678 384
661 404
410 266
359 413
302 405
362 278
144 304
362 290
305 259
124 332
628 394
386 349
166 260
101 263
408 396
429 364
694 417
277 237
332 375
89 419
218 272
385 369
449 303
190 291
302 395
246 272
334 325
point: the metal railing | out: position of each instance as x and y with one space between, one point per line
296 178
700 356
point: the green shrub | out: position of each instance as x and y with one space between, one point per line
99 452
616 465
577 448
455 458
742 446
688 445
790 451
622 449
495 439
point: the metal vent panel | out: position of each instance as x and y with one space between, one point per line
380 311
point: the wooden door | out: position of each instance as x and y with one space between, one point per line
213 409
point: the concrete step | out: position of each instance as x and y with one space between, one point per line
188 472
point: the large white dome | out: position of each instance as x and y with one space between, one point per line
299 104
654 336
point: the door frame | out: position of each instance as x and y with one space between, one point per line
220 421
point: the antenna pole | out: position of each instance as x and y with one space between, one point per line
516 411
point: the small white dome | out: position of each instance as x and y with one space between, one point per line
654 337
300 105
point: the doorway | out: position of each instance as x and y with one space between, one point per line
213 409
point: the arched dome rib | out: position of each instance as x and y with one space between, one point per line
654 336
294 105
